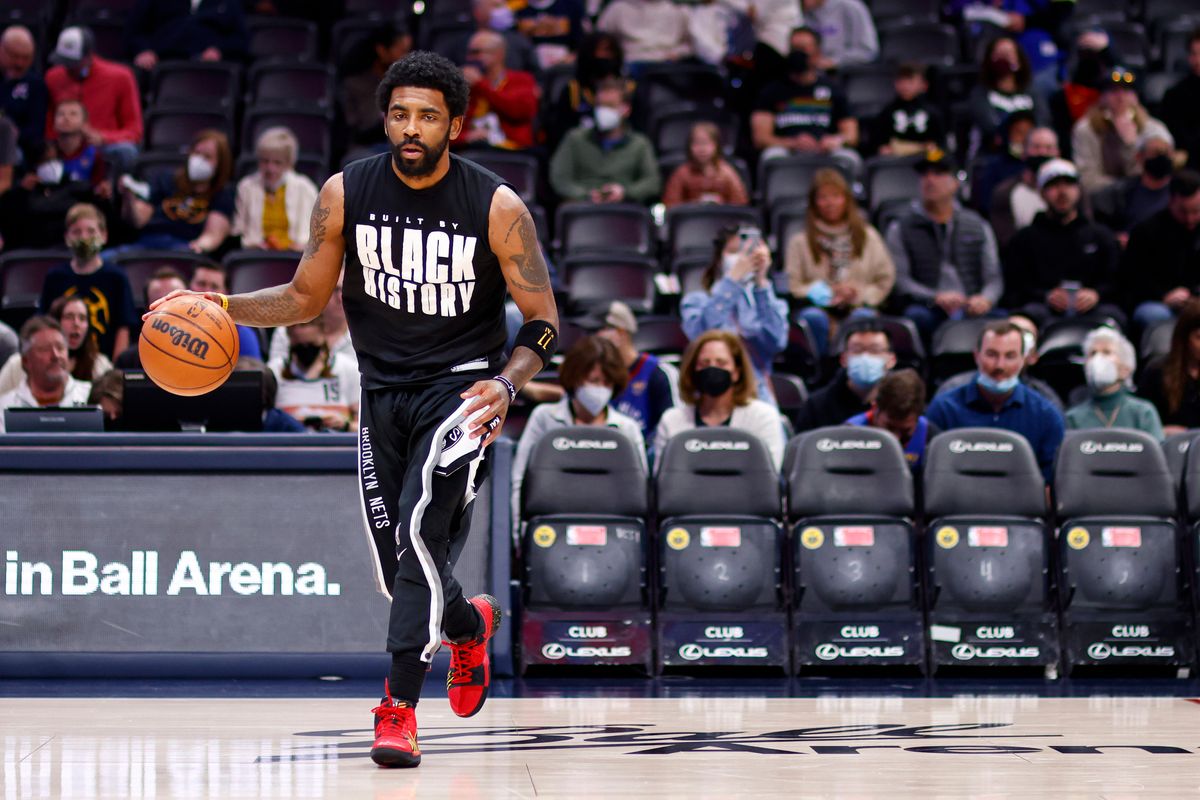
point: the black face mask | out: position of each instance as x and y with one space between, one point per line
713 381
1034 163
306 354
1159 166
798 61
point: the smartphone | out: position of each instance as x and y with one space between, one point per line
750 236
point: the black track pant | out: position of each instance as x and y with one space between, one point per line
418 520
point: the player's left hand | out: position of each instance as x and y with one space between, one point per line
491 398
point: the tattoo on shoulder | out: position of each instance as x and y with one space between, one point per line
316 235
530 264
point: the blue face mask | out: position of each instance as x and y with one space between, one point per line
866 370
994 386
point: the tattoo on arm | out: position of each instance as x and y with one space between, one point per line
316 235
530 264
266 308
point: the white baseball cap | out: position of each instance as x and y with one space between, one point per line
74 45
1056 169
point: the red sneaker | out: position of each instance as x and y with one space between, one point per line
395 733
470 668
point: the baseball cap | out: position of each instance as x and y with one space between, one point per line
936 159
620 316
1056 169
74 45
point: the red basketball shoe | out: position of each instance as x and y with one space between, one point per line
470 668
395 733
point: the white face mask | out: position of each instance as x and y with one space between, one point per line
607 118
1101 372
593 398
199 168
50 172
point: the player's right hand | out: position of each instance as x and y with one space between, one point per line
180 293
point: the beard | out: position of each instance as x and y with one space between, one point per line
426 164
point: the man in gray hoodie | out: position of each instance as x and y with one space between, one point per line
847 31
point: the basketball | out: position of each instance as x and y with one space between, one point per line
189 345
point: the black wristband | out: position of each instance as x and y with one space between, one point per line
512 390
539 336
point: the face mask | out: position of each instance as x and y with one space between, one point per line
1000 67
85 249
798 61
1034 163
1101 372
866 370
50 172
607 118
593 398
994 386
501 19
1159 166
713 381
199 169
305 355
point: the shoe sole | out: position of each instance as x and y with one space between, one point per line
389 757
497 617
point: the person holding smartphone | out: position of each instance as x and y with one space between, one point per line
738 296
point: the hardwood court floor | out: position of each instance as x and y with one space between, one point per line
562 747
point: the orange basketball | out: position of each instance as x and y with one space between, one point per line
189 345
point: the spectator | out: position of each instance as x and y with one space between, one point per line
998 399
192 209
771 21
70 156
1016 201
607 162
1160 269
360 110
738 296
591 374
101 284
107 90
333 319
1029 345
805 112
164 281
1111 362
555 27
1063 264
649 390
213 277
910 124
846 29
273 205
706 177
865 358
947 266
716 387
600 60
48 380
650 31
1094 60
1004 87
1181 103
9 344
504 102
108 392
995 168
84 359
1131 200
1172 385
1104 141
495 15
208 30
22 91
316 387
1022 20
10 155
838 263
274 420
898 408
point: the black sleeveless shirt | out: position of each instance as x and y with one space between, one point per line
423 291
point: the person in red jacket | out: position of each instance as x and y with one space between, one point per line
504 102
107 90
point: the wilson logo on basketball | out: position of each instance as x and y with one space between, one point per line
181 338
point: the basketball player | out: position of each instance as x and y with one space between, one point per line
430 242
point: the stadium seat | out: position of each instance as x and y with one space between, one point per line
149 166
890 178
672 129
884 11
856 595
275 84
22 273
1156 341
801 356
692 227
720 547
251 270
108 29
931 43
172 131
311 127
660 336
583 552
519 169
989 592
281 37
789 177
1175 448
594 280
1172 42
790 394
868 88
953 347
677 85
140 265
1129 43
1124 597
608 228
689 269
185 85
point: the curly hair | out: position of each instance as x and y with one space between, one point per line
426 70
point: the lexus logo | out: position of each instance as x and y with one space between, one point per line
827 652
554 651
691 652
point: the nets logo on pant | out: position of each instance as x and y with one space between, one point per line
436 273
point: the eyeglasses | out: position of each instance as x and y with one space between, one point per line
870 351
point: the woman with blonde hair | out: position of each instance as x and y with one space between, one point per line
1105 141
706 177
717 388
274 202
839 262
